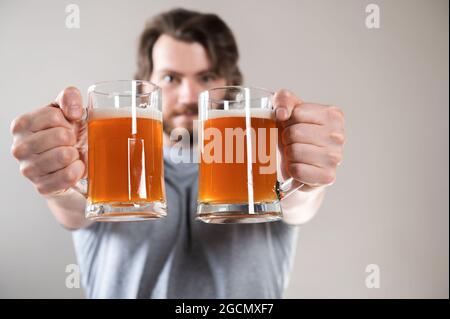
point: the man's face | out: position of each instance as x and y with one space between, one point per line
182 70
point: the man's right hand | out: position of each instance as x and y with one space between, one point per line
47 143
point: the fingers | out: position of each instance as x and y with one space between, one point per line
313 155
67 107
306 133
284 102
311 175
42 141
49 162
71 103
311 140
316 114
20 125
61 179
46 118
41 119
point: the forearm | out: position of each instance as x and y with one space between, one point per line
301 206
68 209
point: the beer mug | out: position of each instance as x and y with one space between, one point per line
125 176
239 176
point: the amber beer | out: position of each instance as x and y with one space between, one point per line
227 182
125 161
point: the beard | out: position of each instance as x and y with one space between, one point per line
172 124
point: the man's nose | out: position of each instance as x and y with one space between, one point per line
189 91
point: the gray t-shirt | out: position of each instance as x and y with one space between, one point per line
179 257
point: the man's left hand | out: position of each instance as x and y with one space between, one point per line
311 139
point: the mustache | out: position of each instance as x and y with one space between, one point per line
189 109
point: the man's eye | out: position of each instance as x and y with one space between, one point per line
207 78
168 78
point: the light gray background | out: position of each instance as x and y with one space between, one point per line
389 205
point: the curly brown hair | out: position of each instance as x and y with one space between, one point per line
190 26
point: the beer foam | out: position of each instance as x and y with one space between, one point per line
254 112
113 112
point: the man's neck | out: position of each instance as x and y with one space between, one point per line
181 151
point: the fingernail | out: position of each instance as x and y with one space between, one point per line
281 114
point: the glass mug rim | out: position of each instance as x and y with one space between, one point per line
94 88
269 93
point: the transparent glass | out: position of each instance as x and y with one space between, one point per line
239 175
125 175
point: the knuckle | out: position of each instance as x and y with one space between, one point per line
334 158
27 170
55 116
339 110
329 177
65 155
43 189
19 124
66 137
334 113
13 151
19 150
338 138
70 177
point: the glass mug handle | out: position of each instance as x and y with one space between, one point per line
288 187
81 146
285 188
81 187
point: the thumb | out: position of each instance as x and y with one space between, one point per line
71 103
284 102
